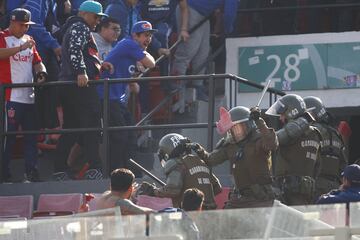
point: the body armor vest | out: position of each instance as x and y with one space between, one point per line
300 156
332 155
249 162
197 175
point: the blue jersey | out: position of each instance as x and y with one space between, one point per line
206 7
39 11
349 194
157 11
123 57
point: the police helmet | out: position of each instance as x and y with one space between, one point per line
240 114
317 108
171 145
292 105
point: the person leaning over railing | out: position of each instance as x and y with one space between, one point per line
107 34
129 56
81 104
18 59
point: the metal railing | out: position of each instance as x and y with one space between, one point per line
105 129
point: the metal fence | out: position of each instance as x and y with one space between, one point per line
105 129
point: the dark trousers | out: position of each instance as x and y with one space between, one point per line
122 144
47 97
81 109
24 115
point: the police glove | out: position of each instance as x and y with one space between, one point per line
197 148
146 189
41 77
255 113
185 141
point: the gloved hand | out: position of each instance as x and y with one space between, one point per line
185 141
197 148
146 189
255 113
41 77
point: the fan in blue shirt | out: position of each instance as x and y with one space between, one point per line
127 56
349 191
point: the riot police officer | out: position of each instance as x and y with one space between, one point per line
332 153
184 170
248 145
297 157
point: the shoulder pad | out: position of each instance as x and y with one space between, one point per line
297 127
170 165
292 130
221 143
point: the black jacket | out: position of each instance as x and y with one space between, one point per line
79 51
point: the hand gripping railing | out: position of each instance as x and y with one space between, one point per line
106 128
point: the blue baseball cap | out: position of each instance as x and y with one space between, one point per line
92 7
352 172
142 26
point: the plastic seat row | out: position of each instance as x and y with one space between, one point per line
70 203
47 205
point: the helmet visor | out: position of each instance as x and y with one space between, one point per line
238 132
161 156
276 109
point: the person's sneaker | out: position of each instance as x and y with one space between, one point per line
61 176
93 174
32 176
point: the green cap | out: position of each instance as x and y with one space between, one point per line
93 7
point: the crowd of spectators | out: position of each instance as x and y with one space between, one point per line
53 17
73 49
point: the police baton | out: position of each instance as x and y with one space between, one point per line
141 168
263 92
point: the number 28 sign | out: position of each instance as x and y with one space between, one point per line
290 67
297 62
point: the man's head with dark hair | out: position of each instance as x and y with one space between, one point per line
352 174
106 22
193 199
109 29
121 179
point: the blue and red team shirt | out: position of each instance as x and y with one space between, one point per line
18 68
123 57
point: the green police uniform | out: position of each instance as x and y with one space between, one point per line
295 166
189 171
333 160
250 165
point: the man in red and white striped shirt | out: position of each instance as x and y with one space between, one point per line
18 59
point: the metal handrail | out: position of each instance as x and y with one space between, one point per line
106 128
